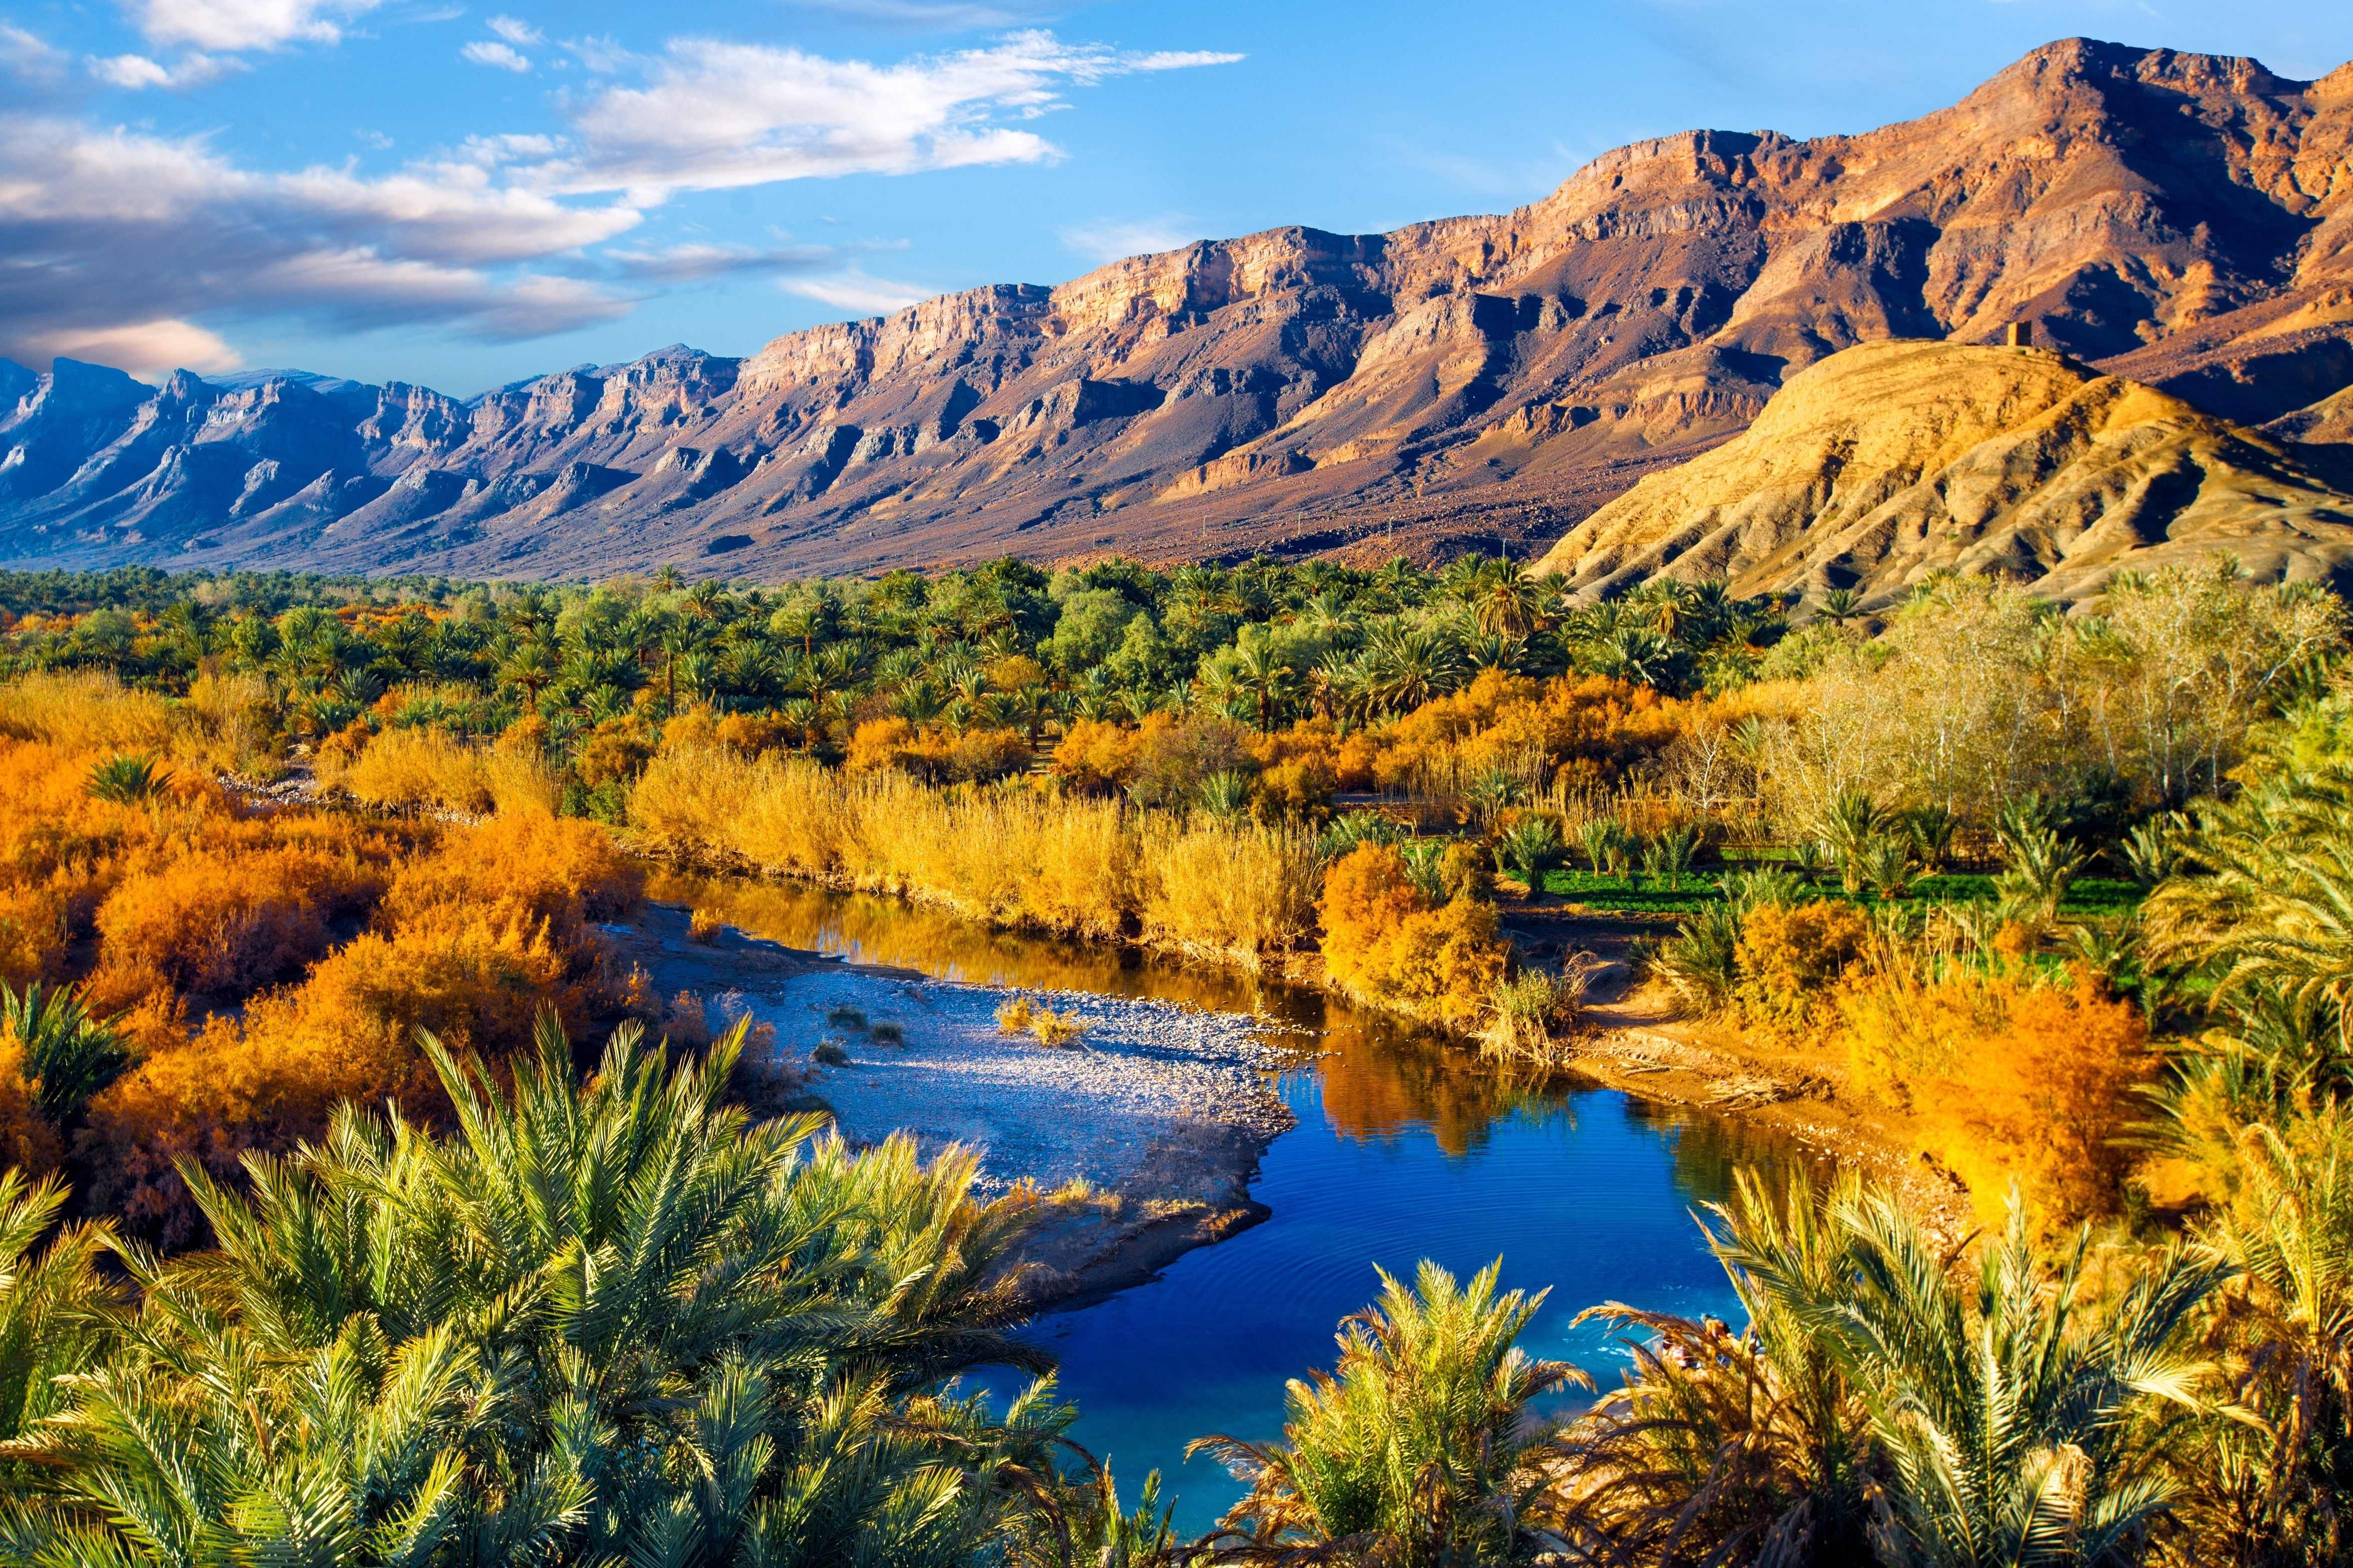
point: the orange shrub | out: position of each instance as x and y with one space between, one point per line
523 873
1096 757
473 939
1791 956
750 733
879 744
35 927
1384 942
2010 1081
25 1140
222 924
615 749
937 756
1577 729
1301 768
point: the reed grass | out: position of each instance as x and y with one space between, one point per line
1006 855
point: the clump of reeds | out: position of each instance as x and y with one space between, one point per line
844 1018
887 1034
1057 1029
829 1053
1533 1012
1007 855
703 925
1015 1017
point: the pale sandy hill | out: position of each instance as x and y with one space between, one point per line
1895 459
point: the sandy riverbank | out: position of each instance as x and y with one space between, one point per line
1163 1111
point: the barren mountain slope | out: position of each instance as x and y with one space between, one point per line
1462 380
1892 460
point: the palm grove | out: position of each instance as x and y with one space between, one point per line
579 1304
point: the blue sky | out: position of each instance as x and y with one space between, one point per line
464 194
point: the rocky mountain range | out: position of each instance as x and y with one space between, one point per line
2182 221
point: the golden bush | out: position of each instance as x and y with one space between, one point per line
1791 956
616 749
217 924
85 711
411 769
1242 892
26 1141
1007 855
1384 942
1096 756
2009 1079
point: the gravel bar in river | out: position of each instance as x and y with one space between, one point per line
1163 1110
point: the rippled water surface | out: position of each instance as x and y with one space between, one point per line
1405 1149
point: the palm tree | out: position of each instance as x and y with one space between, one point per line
127 779
1408 666
1841 605
1509 603
2016 1424
533 667
1262 675
1756 1441
601 1320
1418 1449
2271 904
2269 1487
1954 1420
57 1313
68 1058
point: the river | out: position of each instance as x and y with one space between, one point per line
1406 1148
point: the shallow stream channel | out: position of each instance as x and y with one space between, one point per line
1345 1141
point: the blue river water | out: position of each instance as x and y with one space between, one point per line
1406 1149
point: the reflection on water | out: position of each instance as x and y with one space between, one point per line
1406 1149
1375 1076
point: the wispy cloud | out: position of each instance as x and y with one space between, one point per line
112 230
515 30
701 263
501 56
137 71
27 56
144 348
715 115
1113 239
152 245
854 290
932 16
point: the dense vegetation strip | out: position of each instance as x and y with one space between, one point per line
532 1307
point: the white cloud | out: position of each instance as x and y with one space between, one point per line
698 263
27 54
148 350
137 71
491 151
246 23
106 230
602 56
944 15
515 30
1116 238
504 57
717 115
855 291
165 241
